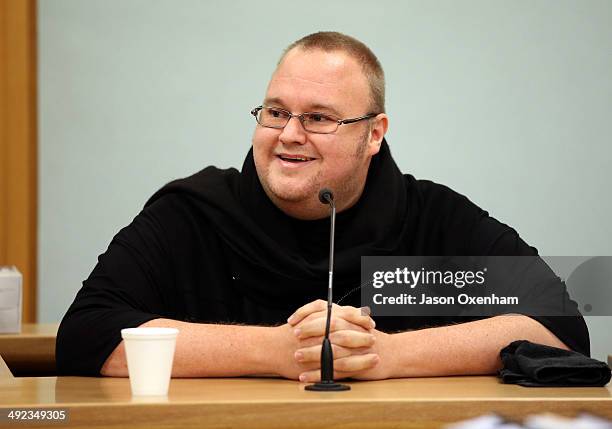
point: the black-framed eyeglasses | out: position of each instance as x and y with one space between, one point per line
313 122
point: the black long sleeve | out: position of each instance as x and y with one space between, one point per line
213 248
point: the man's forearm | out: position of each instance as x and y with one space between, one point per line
205 350
467 348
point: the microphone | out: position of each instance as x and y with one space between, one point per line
326 196
327 383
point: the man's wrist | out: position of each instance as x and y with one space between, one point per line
261 362
269 356
391 355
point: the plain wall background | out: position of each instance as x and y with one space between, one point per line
508 102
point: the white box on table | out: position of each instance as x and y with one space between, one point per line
10 300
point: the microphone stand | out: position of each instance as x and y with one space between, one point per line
327 383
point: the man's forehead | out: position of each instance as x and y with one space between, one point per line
317 66
315 77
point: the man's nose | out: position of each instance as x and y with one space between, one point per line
293 132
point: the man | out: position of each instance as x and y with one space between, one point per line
237 260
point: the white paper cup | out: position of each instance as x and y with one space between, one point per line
150 352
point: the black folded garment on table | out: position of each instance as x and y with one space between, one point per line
537 365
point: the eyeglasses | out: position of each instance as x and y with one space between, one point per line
313 122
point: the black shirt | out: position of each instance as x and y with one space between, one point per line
213 248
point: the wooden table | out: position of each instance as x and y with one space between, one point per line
32 352
276 403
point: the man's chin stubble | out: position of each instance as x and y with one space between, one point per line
290 196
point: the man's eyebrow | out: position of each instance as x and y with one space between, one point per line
273 100
315 107
318 107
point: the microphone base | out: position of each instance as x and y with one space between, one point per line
327 386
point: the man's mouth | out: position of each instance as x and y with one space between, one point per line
295 159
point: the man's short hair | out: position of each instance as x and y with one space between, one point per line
331 41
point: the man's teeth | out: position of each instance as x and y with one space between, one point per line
295 158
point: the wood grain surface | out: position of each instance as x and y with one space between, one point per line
276 403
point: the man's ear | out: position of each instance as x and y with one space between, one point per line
379 126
